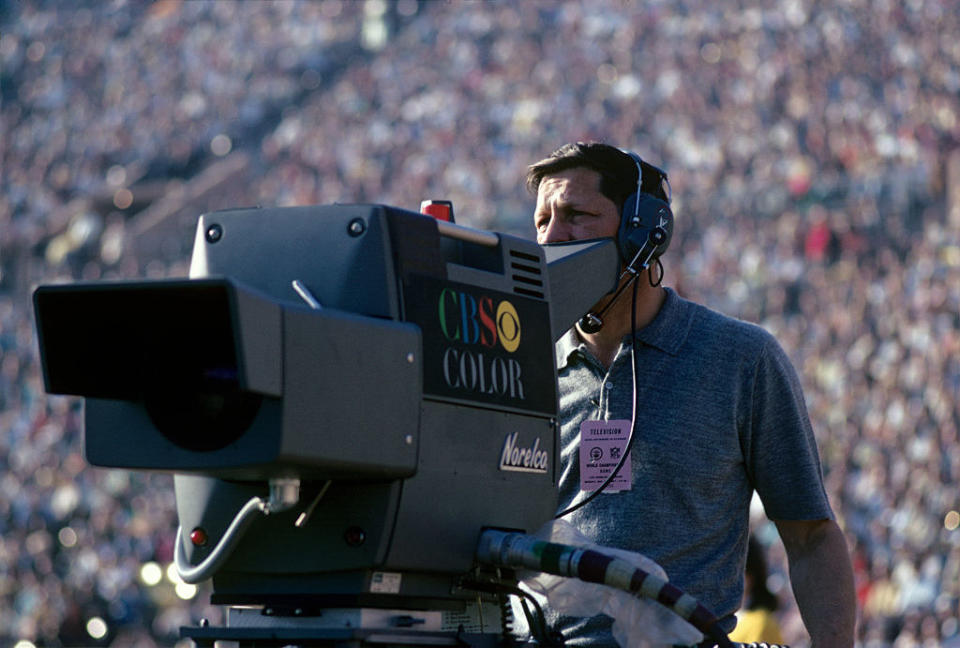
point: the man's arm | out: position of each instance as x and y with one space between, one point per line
822 579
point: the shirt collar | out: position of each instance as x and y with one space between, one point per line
667 332
669 329
566 346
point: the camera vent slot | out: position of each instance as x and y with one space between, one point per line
527 274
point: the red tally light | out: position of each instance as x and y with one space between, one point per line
439 209
355 536
198 537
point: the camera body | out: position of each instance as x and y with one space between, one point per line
400 370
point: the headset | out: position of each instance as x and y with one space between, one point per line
643 212
646 226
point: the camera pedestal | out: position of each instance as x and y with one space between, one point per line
476 625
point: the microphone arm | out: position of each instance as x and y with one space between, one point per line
592 322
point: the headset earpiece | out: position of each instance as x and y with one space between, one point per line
642 212
646 225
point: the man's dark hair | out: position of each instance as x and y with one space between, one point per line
618 171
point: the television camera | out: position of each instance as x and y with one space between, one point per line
348 397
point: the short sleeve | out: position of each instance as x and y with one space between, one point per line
780 449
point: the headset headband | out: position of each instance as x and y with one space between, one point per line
642 212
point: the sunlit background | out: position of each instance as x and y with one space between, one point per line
812 149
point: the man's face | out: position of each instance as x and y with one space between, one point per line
570 207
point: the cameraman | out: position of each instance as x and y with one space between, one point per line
719 414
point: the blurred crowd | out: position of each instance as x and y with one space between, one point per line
812 149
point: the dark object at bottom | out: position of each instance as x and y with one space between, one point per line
339 638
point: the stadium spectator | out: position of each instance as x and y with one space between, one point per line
770 117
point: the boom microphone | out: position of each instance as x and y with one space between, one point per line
592 322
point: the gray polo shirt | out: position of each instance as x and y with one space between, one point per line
720 414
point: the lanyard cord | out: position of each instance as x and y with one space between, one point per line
633 415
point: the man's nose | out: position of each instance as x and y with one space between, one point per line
557 231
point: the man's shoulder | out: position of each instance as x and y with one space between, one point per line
707 326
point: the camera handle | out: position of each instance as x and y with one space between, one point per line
284 495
